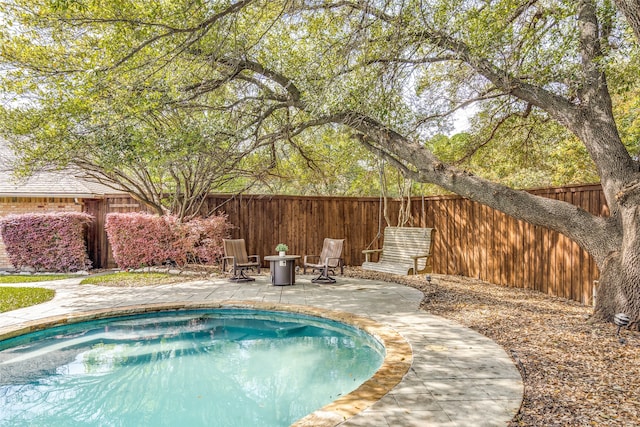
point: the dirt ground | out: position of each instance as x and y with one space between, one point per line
576 372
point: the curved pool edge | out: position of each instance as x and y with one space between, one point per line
397 361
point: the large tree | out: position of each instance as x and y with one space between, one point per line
392 72
75 96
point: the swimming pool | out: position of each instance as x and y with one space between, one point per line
231 367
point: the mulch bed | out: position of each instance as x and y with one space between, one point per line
576 371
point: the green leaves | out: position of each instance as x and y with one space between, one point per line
250 88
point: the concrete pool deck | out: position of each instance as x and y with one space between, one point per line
457 377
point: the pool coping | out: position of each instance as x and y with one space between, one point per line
458 377
397 361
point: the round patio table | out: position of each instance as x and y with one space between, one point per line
283 269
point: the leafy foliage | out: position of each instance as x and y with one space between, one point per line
134 127
52 241
144 240
157 101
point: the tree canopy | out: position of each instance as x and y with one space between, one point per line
106 84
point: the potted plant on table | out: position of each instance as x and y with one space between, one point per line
282 249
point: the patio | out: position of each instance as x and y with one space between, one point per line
457 376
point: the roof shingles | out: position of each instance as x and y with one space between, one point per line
63 183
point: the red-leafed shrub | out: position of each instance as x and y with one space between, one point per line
208 234
49 241
144 240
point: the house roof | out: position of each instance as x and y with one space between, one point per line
65 183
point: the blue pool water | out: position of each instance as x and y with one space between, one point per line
223 367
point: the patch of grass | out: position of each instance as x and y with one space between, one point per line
133 279
14 298
23 278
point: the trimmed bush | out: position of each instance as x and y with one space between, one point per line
207 237
47 241
144 240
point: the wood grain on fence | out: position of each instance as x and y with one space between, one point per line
471 239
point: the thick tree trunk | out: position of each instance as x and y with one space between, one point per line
631 10
620 272
619 290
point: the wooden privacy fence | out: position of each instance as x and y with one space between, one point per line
471 239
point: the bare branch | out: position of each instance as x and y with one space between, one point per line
520 10
286 83
485 96
201 28
363 6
